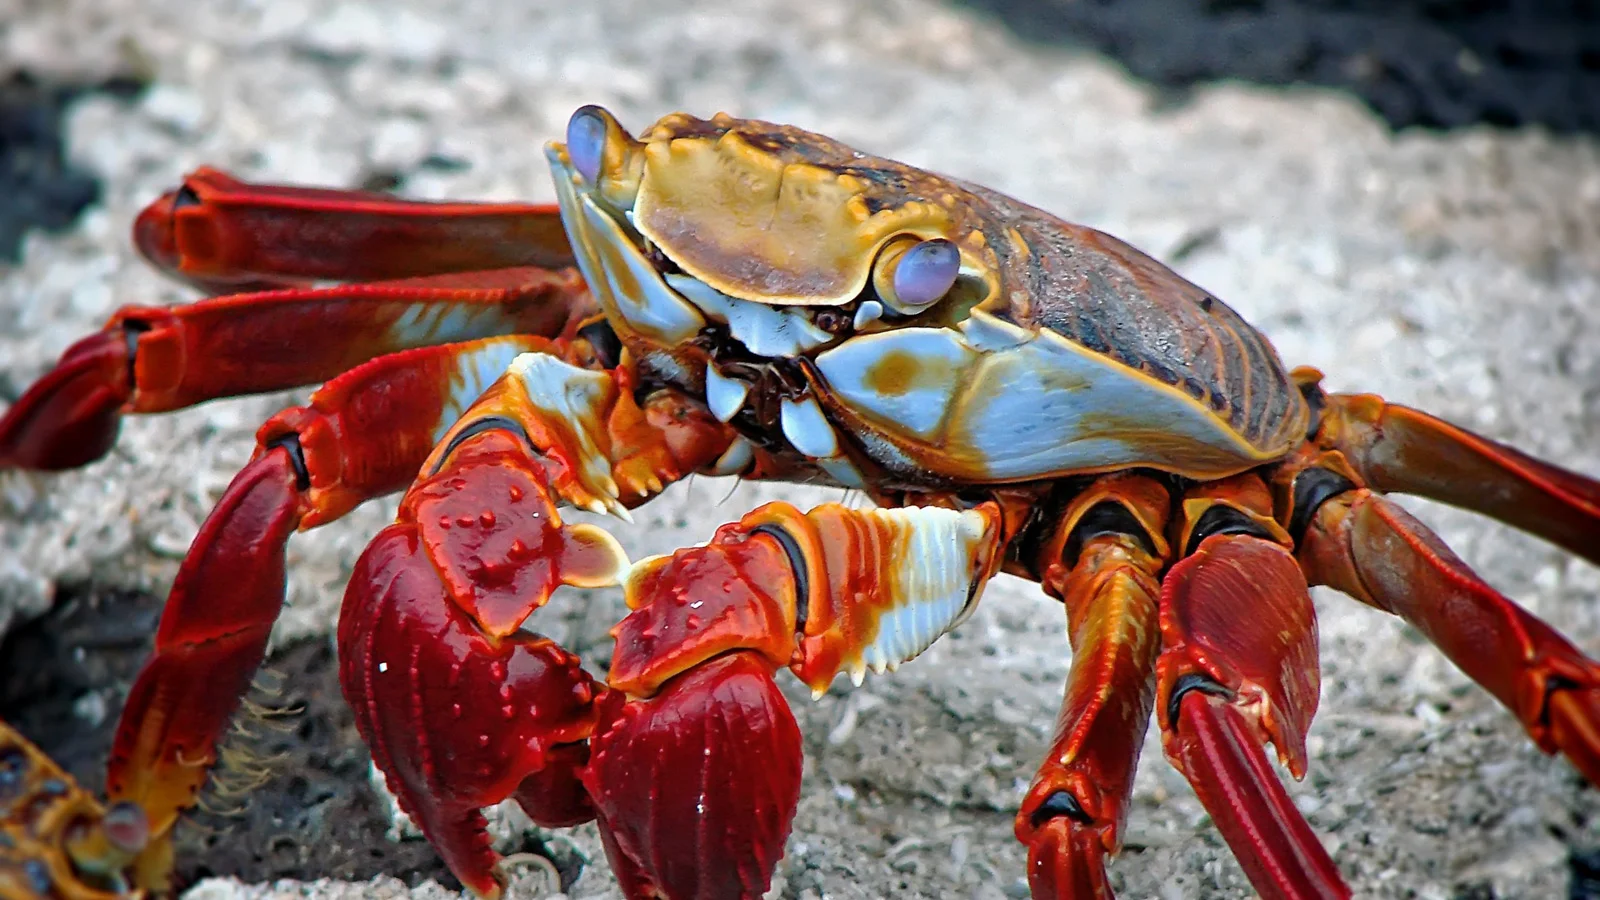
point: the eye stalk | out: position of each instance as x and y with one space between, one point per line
604 155
912 275
586 141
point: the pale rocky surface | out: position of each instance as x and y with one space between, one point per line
1459 273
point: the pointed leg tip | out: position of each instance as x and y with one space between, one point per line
1067 861
70 417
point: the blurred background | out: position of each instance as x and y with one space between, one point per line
1404 194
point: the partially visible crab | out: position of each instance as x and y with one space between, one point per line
56 841
1017 393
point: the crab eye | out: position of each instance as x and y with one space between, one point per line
922 274
126 827
586 142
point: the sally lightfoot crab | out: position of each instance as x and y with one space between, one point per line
1018 394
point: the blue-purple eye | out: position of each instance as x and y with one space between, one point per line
926 272
586 142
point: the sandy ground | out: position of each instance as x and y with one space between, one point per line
1459 273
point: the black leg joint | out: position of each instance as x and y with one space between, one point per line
477 427
1057 804
186 198
1224 519
1205 684
1107 517
297 458
131 329
1312 488
797 562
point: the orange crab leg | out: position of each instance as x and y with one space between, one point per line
460 708
1368 547
156 359
1073 815
1238 668
1396 448
362 435
226 235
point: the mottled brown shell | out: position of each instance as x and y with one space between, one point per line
1107 296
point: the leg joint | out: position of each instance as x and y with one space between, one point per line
1193 681
1108 517
1224 519
477 427
1312 488
290 442
1059 804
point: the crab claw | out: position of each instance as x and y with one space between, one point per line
696 774
458 720
71 416
461 708
697 785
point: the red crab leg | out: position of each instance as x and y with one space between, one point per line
695 766
1238 668
155 359
460 708
363 435
1073 815
226 235
1395 448
1368 547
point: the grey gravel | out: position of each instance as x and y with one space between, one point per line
1460 273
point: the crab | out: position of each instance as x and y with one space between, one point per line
57 840
1015 393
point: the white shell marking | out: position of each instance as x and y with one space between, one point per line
724 395
770 331
807 428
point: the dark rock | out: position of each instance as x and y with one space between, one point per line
1431 63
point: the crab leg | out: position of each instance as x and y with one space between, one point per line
226 235
1395 448
1238 668
1073 815
1368 547
460 708
695 765
155 359
363 435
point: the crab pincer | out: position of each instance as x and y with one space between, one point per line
462 707
697 773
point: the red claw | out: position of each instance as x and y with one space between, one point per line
697 785
71 416
456 719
